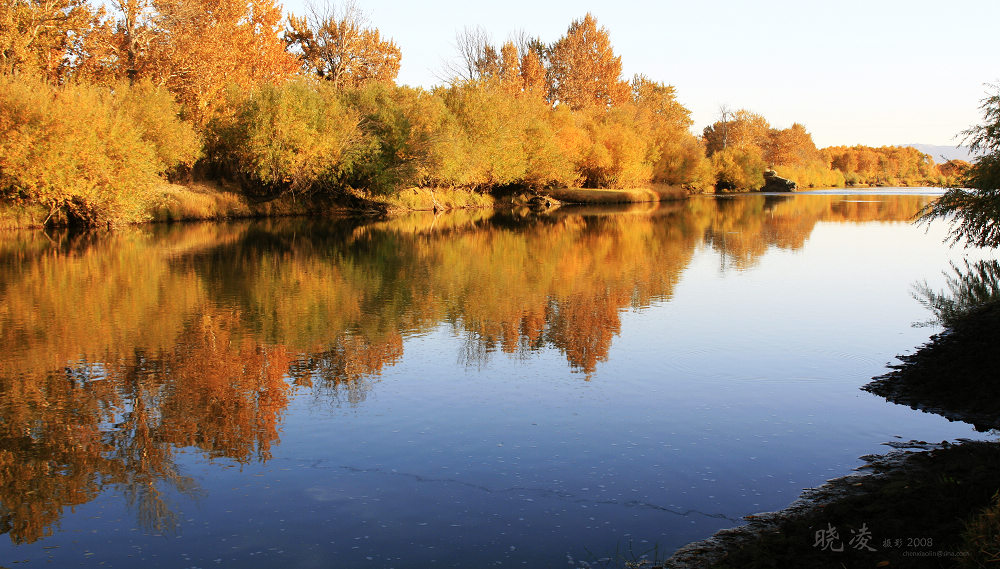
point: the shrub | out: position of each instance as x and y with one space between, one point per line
410 139
176 143
619 155
293 137
86 153
494 125
738 169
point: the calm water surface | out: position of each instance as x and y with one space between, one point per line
470 390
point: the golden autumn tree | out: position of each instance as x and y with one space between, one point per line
205 46
792 153
678 157
740 130
885 165
953 170
510 67
133 36
533 71
46 37
791 146
583 69
338 46
736 143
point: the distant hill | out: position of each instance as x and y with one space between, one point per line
947 152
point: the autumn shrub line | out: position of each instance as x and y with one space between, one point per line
98 105
742 145
309 136
88 153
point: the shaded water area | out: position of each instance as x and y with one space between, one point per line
473 389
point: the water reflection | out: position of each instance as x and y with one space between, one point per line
969 289
120 349
954 374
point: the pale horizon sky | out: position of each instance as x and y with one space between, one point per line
875 72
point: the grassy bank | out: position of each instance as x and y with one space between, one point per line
218 200
654 193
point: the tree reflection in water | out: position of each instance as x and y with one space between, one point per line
971 287
122 349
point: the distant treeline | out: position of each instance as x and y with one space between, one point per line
98 109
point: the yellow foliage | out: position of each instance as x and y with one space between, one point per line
739 168
883 166
338 47
583 70
294 137
87 153
45 37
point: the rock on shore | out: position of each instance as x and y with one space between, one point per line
775 183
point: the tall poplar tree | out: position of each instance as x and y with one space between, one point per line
583 70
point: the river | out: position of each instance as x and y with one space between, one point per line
468 389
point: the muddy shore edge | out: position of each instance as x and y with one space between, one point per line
918 505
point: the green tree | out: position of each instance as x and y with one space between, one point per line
974 210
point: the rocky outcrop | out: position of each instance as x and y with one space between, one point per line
775 183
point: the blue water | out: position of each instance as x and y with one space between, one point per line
727 382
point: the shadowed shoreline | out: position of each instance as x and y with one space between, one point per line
922 503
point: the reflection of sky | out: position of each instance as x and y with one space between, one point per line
711 406
727 400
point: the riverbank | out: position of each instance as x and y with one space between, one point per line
210 200
912 507
921 505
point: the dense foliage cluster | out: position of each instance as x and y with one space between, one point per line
97 107
87 153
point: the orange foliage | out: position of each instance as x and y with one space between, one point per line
883 166
533 72
339 47
88 400
583 69
206 45
792 146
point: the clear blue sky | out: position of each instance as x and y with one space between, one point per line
853 72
